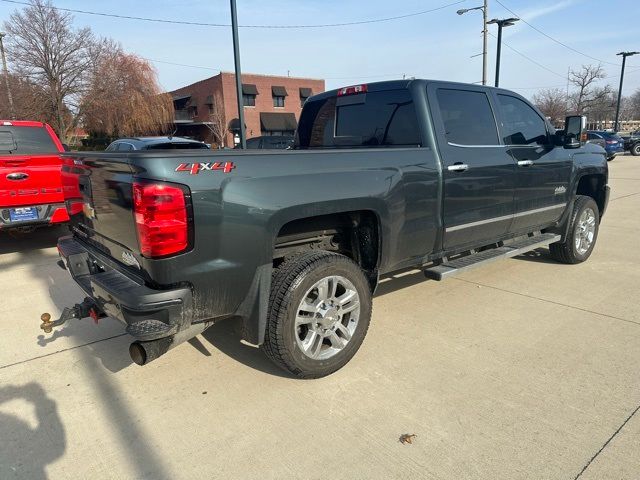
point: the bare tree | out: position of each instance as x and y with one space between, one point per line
44 46
219 126
553 103
123 98
28 99
633 105
585 94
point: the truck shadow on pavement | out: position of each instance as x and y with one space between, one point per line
26 450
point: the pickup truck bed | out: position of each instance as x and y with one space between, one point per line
384 176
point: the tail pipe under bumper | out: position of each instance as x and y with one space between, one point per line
143 352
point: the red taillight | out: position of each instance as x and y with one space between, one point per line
352 90
161 219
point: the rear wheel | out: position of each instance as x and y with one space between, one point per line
582 233
319 313
635 149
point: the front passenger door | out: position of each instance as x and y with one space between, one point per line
543 169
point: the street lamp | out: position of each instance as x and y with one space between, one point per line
624 56
484 9
236 61
505 22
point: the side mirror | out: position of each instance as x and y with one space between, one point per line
574 131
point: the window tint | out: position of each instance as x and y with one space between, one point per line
124 147
374 119
521 124
468 118
177 146
26 140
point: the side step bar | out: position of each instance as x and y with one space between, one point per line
460 264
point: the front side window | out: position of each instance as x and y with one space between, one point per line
278 101
248 100
467 117
521 124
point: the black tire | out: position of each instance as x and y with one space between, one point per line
566 252
635 149
290 283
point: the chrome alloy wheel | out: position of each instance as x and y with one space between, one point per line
585 231
327 317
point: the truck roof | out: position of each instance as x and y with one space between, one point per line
21 123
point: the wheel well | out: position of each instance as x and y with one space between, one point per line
593 186
354 234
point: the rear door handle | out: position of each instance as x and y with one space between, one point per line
525 163
458 167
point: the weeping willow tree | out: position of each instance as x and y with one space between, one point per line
123 98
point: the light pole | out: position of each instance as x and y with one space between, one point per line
624 56
484 9
236 58
505 22
6 76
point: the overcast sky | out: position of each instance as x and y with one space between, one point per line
432 45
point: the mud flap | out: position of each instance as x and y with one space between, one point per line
255 307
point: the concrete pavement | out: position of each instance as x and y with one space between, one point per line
522 369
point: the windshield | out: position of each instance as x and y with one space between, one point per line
25 141
177 146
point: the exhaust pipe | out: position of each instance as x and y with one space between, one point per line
144 352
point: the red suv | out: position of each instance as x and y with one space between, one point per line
30 182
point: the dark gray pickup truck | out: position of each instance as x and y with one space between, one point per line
426 174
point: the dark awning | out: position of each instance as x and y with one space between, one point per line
279 91
193 102
277 122
249 89
177 98
305 92
209 100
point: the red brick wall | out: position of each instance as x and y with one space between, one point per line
224 84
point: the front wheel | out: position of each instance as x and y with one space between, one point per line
319 313
635 149
582 233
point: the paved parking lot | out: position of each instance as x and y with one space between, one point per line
522 369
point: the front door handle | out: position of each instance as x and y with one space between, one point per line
458 167
525 163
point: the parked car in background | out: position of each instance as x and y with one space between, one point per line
268 142
30 181
611 142
155 143
632 143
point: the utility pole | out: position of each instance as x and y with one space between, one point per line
506 22
6 76
624 56
485 14
236 58
485 32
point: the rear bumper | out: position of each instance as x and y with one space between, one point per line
48 214
148 313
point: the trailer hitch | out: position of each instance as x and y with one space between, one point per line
87 308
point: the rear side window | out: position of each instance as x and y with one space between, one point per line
521 124
26 141
374 119
467 117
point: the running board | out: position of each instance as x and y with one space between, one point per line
460 264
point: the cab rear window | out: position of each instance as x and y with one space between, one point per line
25 141
374 119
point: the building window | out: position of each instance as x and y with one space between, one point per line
248 100
304 94
278 101
302 100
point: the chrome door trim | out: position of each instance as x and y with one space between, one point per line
505 217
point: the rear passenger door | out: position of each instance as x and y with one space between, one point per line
479 175
543 169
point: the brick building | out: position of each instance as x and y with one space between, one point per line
272 105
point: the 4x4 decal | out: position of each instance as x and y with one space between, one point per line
195 168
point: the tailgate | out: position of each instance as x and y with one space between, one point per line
98 192
30 180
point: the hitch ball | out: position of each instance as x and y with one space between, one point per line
46 322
